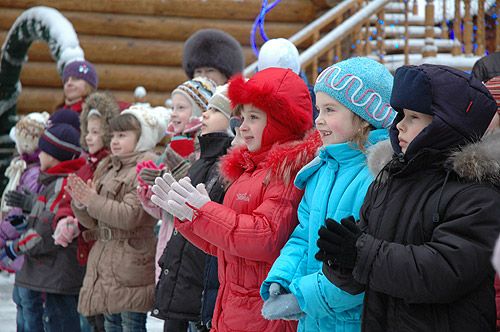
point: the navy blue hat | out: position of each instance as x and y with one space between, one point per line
61 141
83 70
66 116
461 106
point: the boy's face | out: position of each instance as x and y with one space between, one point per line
410 126
181 112
252 127
335 121
213 121
211 73
123 142
46 161
94 137
75 89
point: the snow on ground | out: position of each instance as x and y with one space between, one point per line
8 308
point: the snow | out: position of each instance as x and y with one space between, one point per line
63 41
392 62
450 8
8 308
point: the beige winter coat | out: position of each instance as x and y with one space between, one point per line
120 267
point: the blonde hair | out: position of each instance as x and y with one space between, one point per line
363 129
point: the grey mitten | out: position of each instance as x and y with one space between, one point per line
24 200
280 305
148 175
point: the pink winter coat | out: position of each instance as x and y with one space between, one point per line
247 232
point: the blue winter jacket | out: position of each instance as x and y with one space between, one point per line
335 183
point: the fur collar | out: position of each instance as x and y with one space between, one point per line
283 161
476 162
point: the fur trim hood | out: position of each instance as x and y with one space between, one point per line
476 162
107 106
283 161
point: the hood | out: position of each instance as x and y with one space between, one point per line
283 161
105 106
461 107
283 96
475 162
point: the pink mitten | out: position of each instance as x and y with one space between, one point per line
147 171
66 231
144 194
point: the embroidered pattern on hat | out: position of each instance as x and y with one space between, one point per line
371 100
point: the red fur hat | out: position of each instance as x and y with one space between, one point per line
283 96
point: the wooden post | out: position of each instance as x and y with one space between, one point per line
381 35
415 7
429 47
497 23
407 35
480 34
315 63
329 56
457 45
338 49
444 26
368 33
467 28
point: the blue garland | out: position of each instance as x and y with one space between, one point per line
259 22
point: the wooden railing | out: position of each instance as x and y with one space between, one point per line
343 31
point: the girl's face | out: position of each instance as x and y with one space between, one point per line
46 161
123 142
94 137
181 113
252 127
410 126
335 122
75 89
211 73
213 121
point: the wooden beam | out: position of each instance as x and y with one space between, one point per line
480 33
119 50
154 27
47 99
291 11
114 77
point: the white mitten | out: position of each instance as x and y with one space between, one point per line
184 197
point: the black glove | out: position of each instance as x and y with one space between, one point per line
19 222
337 243
24 200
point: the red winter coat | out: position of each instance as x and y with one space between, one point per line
247 232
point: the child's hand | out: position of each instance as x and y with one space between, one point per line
66 231
147 172
144 194
18 247
79 190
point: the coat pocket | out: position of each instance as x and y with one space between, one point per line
242 309
133 262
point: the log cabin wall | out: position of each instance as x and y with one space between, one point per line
139 42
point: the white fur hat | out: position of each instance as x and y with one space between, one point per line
28 130
280 53
153 122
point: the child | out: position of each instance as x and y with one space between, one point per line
258 215
429 221
80 80
49 269
190 99
178 292
98 110
119 281
335 184
213 54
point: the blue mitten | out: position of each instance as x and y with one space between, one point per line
280 305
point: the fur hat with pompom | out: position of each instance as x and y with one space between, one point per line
153 121
102 105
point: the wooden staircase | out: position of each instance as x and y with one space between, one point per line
136 43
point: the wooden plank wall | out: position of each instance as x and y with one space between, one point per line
140 42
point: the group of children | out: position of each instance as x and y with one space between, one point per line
381 218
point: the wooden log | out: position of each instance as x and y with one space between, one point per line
480 33
457 46
47 99
292 11
119 50
114 77
154 27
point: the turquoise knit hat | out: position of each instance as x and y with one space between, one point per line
363 86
